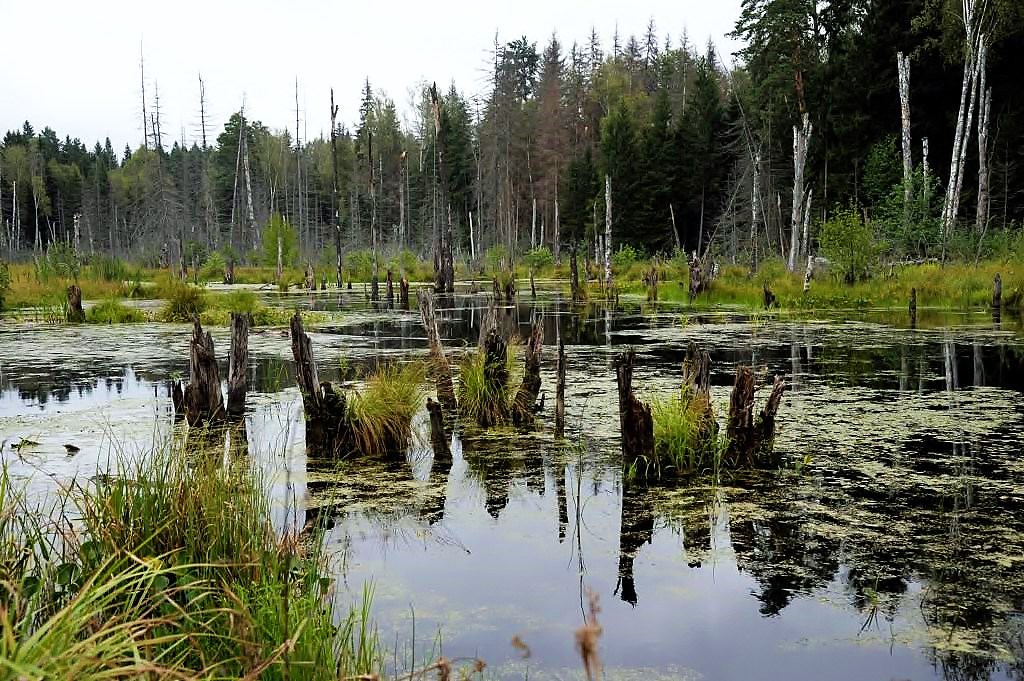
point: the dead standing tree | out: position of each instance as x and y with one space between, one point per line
444 266
635 420
238 364
801 140
328 432
903 66
526 398
202 400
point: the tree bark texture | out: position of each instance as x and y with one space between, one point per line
526 398
635 420
239 364
440 368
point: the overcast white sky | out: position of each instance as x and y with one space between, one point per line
74 65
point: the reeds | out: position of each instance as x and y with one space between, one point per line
686 436
380 414
481 399
113 311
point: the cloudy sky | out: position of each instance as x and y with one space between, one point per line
75 65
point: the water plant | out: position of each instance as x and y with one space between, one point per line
486 390
113 311
686 436
381 412
183 301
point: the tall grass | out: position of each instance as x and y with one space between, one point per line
381 412
480 399
170 569
686 438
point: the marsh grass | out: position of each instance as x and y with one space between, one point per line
170 569
30 284
478 398
221 306
381 412
686 437
113 311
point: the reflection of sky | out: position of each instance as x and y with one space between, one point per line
480 580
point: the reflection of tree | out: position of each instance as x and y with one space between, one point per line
635 529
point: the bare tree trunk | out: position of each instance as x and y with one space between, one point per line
801 140
526 398
985 107
334 191
608 236
439 363
635 420
903 66
558 231
925 172
951 205
445 275
806 248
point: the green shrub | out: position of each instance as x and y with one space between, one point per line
183 302
685 434
213 268
496 258
625 257
381 413
5 282
359 264
112 311
108 268
849 244
539 258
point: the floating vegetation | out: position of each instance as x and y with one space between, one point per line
113 311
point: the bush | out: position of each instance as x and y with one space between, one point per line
685 434
112 311
496 257
849 244
213 268
539 258
108 268
183 302
279 227
625 257
359 264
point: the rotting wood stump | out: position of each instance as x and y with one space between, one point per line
75 315
533 285
635 420
328 432
751 438
698 280
202 400
439 366
770 300
913 307
497 289
238 364
403 293
391 288
510 289
997 292
525 403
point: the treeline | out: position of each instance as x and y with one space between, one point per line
699 156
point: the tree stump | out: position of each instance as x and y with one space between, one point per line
438 436
635 420
526 398
323 281
533 286
327 429
697 370
697 280
391 289
651 281
238 365
560 391
770 300
510 289
574 276
310 277
997 292
204 404
229 271
750 440
403 293
440 368
497 289
75 315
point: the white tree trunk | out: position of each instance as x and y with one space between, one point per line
558 231
533 226
984 109
801 140
472 244
805 249
903 66
608 234
951 204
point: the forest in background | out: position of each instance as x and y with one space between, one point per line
699 155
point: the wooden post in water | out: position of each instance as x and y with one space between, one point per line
997 292
560 390
526 398
439 363
239 364
76 314
635 420
203 402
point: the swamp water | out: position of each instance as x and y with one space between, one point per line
890 545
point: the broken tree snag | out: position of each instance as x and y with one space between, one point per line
323 282
697 370
327 429
635 420
76 314
439 363
574 275
698 281
204 404
229 271
497 289
403 293
997 292
510 290
750 441
310 277
770 300
560 391
526 399
533 286
651 280
178 400
438 437
238 364
913 307
391 288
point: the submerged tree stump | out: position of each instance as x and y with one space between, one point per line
524 406
510 289
560 391
403 293
239 364
229 271
750 439
635 420
697 370
75 315
440 368
497 289
438 436
202 399
328 432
